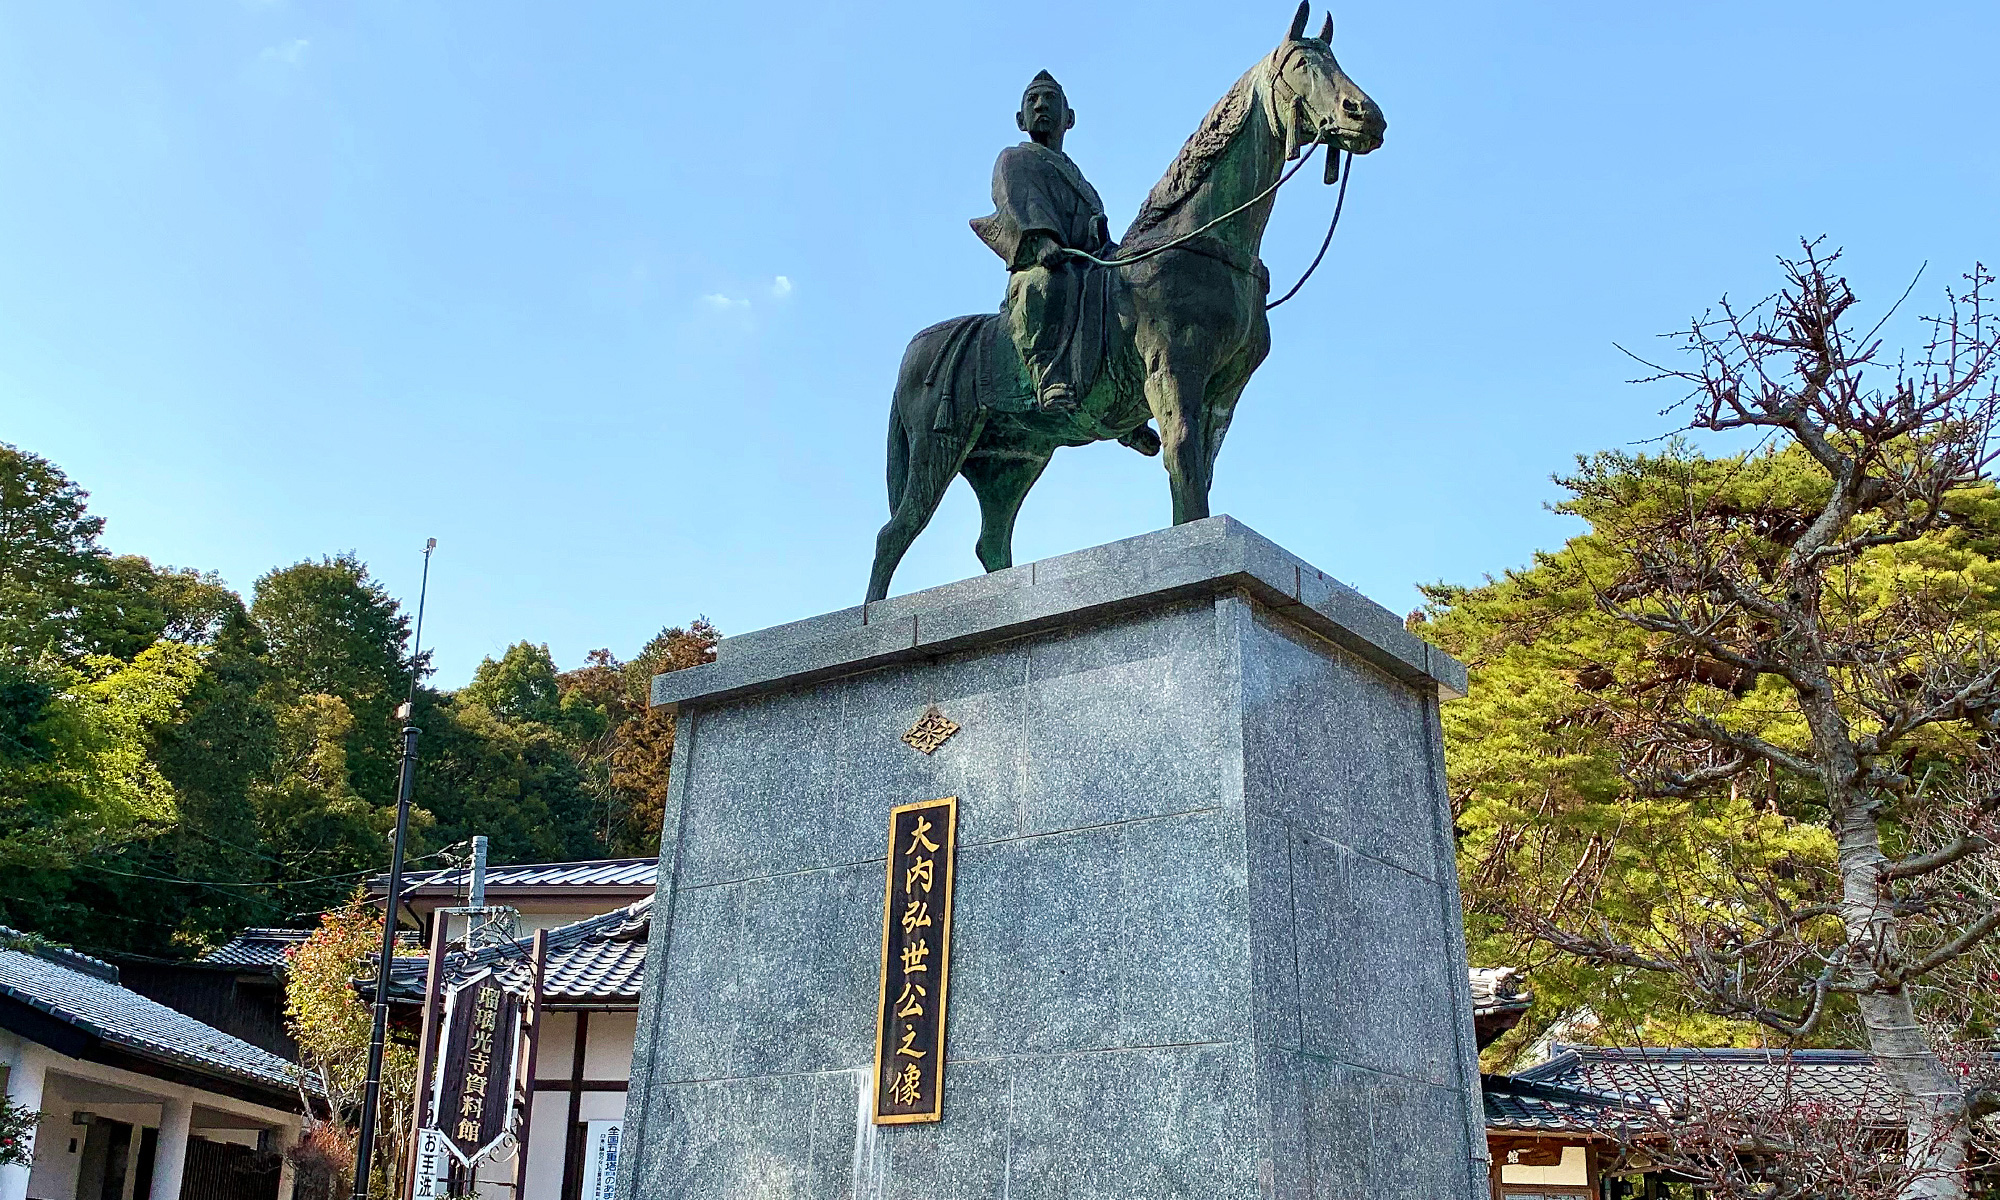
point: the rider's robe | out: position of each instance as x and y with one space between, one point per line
1063 317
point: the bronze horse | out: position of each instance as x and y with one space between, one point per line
1190 320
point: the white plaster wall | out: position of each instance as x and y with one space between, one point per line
54 1175
1572 1171
240 1137
601 1106
56 1165
609 1054
545 1147
552 1061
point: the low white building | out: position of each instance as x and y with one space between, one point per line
137 1101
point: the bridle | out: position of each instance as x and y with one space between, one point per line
1301 109
1299 106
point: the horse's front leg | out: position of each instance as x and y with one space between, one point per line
1177 393
1225 388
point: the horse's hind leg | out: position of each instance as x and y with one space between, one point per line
932 460
1001 481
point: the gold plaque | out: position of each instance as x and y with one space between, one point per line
932 730
916 962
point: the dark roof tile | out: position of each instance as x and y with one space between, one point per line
600 960
1844 1081
89 1001
604 872
257 948
1513 1102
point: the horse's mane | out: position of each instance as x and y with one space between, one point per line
1198 154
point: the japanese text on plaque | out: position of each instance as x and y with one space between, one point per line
916 956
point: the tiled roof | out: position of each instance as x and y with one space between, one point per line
603 872
75 960
1494 990
91 1001
598 960
1845 1081
257 948
1498 1003
1516 1103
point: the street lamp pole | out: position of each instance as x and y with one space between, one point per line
371 1095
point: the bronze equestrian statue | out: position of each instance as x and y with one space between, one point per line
1085 352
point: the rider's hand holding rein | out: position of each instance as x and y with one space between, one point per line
1047 251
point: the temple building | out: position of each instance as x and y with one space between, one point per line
138 1101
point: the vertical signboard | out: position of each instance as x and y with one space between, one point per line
477 1097
600 1161
433 1165
916 962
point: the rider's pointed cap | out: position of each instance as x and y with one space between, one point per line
1043 77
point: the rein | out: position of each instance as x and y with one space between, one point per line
1339 203
1162 248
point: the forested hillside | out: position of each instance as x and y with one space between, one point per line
178 761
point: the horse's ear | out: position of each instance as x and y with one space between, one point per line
1326 30
1299 21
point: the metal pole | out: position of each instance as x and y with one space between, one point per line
477 920
479 871
371 1093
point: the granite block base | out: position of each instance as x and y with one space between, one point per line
1206 940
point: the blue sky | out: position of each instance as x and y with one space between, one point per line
608 297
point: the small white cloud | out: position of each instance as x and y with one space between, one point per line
722 303
290 53
781 287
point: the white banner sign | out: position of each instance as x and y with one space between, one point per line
433 1164
600 1158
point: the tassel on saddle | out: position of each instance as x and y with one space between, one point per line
946 365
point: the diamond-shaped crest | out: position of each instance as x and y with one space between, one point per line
932 730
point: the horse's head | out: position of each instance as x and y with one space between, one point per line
1315 100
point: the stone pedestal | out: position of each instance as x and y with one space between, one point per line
1206 940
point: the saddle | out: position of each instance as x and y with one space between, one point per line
974 364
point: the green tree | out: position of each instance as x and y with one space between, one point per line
514 780
333 631
224 743
63 595
320 830
76 768
521 686
192 607
52 571
332 1027
1770 790
629 756
193 883
1541 754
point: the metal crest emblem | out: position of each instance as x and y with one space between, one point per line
932 730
